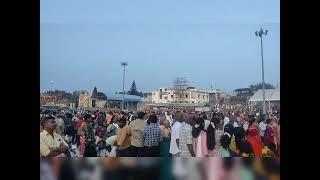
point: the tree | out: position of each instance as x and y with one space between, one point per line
259 86
94 92
133 89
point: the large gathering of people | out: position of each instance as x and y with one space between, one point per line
159 133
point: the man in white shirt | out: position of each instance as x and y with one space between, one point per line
262 127
174 150
169 118
226 120
51 143
60 125
206 122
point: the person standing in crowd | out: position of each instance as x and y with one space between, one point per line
81 134
79 121
254 139
246 123
174 149
226 140
239 135
135 129
69 126
169 117
184 142
270 136
90 149
60 124
110 127
206 121
226 120
152 137
165 143
51 143
199 135
214 134
262 126
278 137
225 143
123 139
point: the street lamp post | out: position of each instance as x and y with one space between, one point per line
124 64
261 33
51 83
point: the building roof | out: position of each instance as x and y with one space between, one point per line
118 97
270 95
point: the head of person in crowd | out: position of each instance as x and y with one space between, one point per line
188 119
225 141
179 116
198 127
49 124
78 115
122 122
252 121
166 123
140 115
109 118
153 118
269 122
228 128
122 114
204 116
87 118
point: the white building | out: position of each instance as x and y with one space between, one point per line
272 98
189 95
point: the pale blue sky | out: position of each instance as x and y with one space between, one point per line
209 42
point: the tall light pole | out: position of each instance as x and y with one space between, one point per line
51 93
51 83
124 64
261 33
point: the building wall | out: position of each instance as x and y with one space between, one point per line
166 95
100 103
55 100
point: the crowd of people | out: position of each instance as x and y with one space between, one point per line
159 133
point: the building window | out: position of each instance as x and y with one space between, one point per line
165 98
180 96
165 89
186 96
198 95
203 96
154 93
192 102
160 90
172 96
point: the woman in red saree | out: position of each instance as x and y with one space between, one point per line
253 136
